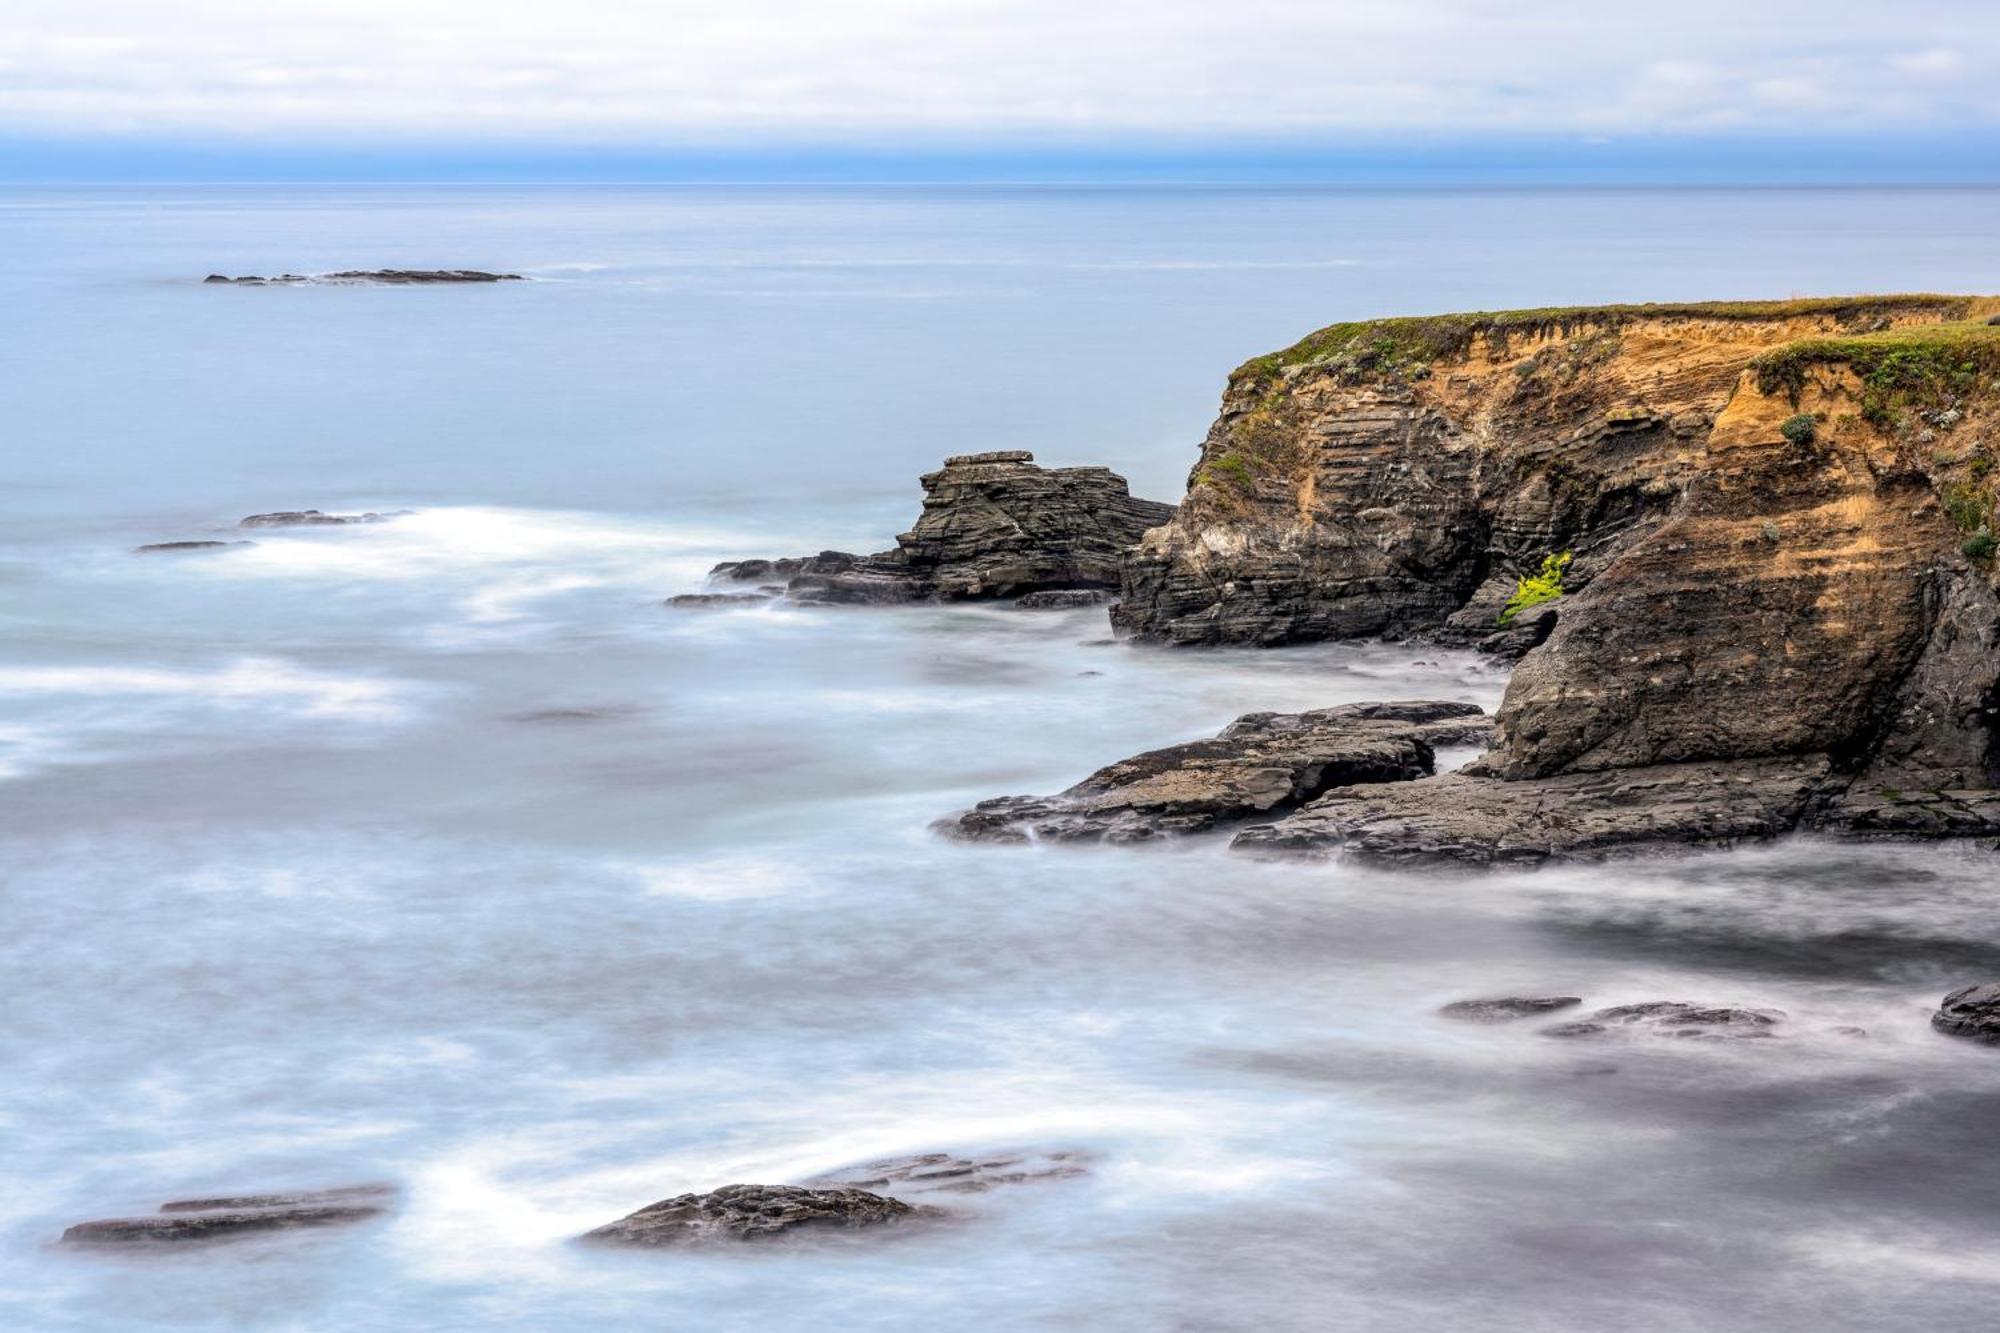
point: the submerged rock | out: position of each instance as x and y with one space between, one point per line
993 525
1674 1018
390 277
157 548
1972 1012
942 1173
310 518
1475 820
1259 765
1507 1008
753 1212
181 1220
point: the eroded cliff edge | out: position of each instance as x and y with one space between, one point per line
1781 606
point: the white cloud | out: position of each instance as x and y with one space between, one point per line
679 71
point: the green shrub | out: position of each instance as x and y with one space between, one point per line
1534 589
1979 545
1966 505
1233 472
1800 429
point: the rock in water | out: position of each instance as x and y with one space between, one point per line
993 525
310 518
160 548
942 1173
752 1212
388 277
1261 764
1674 1018
1507 1008
1973 1012
181 1220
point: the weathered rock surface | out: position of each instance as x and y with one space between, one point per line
1507 1008
1781 518
182 1220
721 600
310 518
391 277
943 1173
1259 765
1062 599
1972 1012
737 1213
1477 820
993 525
159 548
1674 1018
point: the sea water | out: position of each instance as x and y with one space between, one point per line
439 851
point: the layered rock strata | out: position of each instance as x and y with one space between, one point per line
993 525
184 1220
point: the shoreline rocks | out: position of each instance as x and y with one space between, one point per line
180 1221
746 1213
1260 765
1972 1013
993 525
1674 1018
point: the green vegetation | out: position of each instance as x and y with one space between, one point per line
1411 344
1968 507
1926 367
1233 471
1800 429
1979 545
1534 589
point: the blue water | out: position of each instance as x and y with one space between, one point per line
437 851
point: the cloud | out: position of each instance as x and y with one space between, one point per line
681 71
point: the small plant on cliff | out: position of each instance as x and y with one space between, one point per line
1967 507
1534 589
1801 429
1233 472
1979 545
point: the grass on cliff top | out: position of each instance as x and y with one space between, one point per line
1923 365
1406 342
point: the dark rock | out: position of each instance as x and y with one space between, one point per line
182 1220
1259 765
1505 1009
753 1212
390 277
712 600
1529 631
993 525
310 518
942 1173
1476 820
1062 599
1972 1012
1674 1018
157 547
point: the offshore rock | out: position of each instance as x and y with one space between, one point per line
182 1220
1260 765
1674 1018
753 1213
310 518
993 525
942 1173
160 548
1473 820
389 277
1973 1012
1507 1008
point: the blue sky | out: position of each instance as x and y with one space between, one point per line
1000 89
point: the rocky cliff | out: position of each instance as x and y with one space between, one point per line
1779 523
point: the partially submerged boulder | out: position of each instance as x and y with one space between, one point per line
993 525
385 277
1507 1008
1972 1012
180 1220
1674 1018
1260 765
753 1213
310 518
944 1173
176 548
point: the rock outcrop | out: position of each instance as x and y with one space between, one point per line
1261 765
388 277
1674 1018
1780 606
1972 1012
1507 1008
182 1220
943 1173
310 518
170 548
993 525
738 1213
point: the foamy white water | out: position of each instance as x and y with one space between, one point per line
438 851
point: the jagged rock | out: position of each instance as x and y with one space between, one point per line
1507 1008
1259 765
1462 817
942 1173
182 1220
310 518
1529 631
993 525
1674 1018
1972 1012
391 277
1062 599
753 1212
157 548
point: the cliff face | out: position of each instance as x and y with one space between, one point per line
1780 517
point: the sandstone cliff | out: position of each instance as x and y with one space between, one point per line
1781 522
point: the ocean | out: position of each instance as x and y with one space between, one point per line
439 851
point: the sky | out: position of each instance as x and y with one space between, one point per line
625 82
